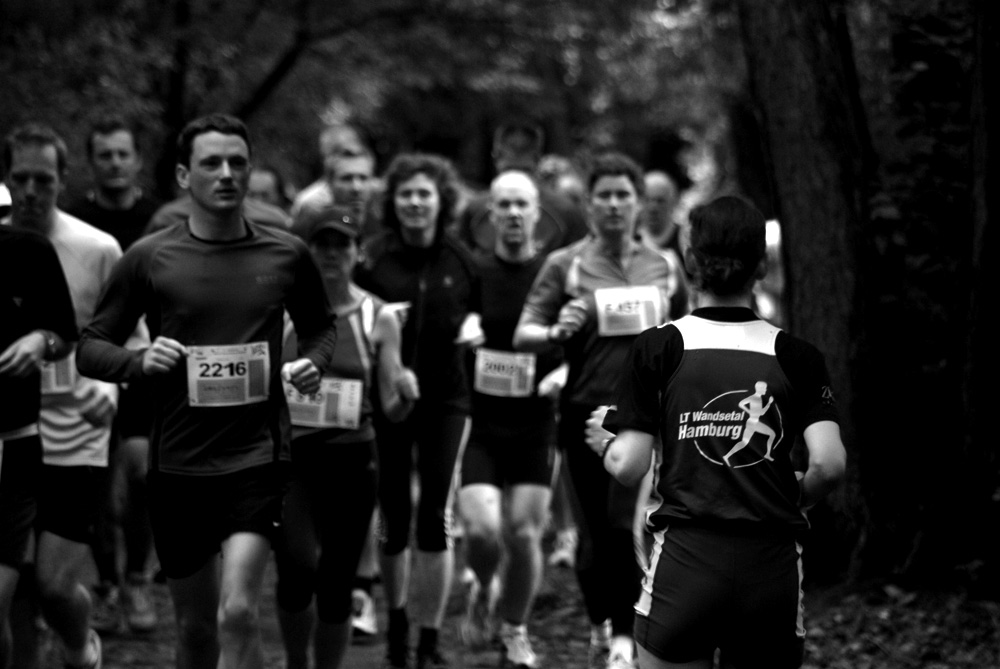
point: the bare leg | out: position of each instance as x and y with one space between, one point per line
432 572
244 559
65 600
480 506
196 605
527 509
396 578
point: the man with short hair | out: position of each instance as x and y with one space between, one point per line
657 230
507 463
76 411
120 207
338 139
116 204
214 290
351 181
518 146
37 325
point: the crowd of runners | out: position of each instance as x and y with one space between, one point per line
349 377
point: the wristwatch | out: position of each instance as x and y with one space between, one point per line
50 344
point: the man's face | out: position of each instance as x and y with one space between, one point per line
351 181
219 172
659 205
613 206
114 160
514 209
34 181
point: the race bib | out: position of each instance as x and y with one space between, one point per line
504 374
337 404
627 311
59 376
223 376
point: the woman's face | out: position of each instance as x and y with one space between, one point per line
336 254
613 206
417 203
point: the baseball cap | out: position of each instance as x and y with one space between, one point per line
338 219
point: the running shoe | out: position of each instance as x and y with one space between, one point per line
363 619
432 660
94 646
564 553
517 648
140 612
616 661
600 646
478 628
106 614
397 659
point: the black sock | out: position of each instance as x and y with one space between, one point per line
399 628
428 641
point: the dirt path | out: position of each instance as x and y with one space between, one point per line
559 633
876 626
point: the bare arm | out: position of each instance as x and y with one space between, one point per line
532 335
626 456
26 354
398 387
827 461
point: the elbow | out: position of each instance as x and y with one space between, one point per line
827 474
626 472
834 469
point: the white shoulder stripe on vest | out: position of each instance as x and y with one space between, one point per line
699 333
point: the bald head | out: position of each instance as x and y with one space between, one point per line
661 198
513 179
514 213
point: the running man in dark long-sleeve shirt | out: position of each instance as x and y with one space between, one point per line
213 292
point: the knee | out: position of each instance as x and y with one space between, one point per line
482 528
523 535
135 453
237 618
432 532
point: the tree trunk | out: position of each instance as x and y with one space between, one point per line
983 333
175 100
803 85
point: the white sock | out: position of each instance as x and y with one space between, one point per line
622 646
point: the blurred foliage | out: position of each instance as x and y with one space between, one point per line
436 75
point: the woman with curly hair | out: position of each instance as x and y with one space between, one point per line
431 282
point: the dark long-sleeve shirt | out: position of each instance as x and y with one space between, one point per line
33 296
212 294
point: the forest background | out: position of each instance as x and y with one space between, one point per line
868 128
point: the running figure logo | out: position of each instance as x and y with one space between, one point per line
755 408
723 429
